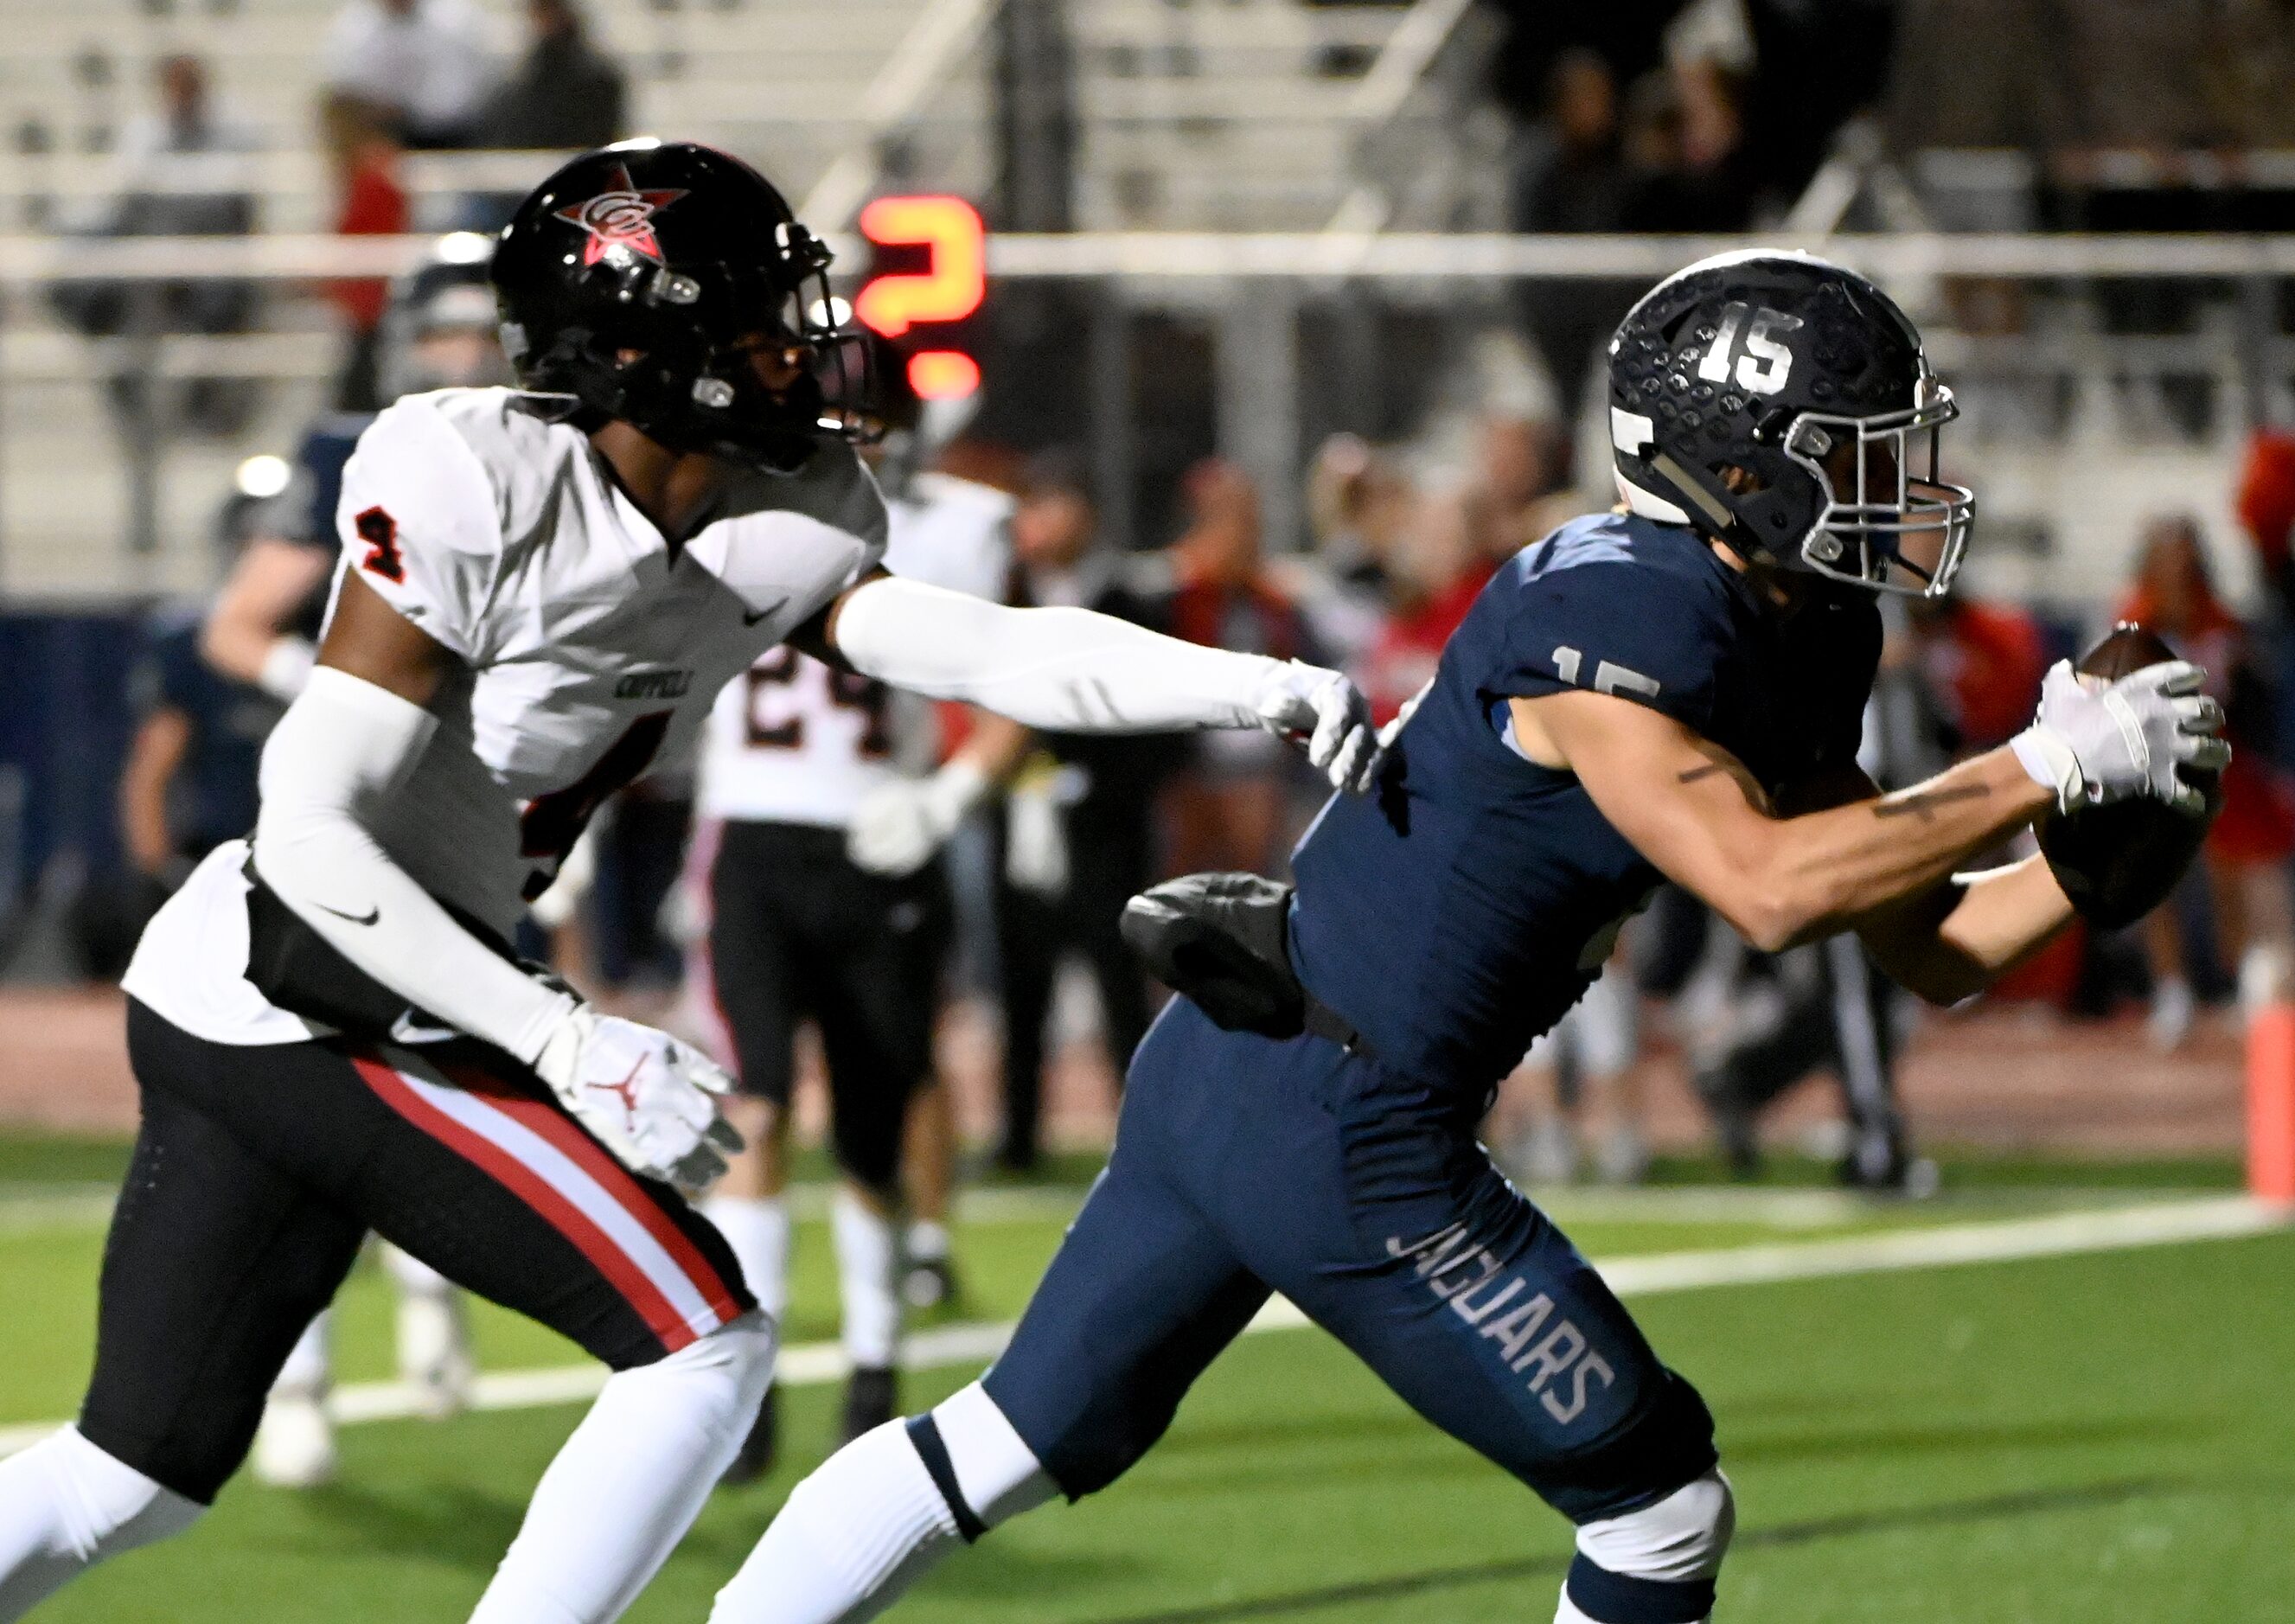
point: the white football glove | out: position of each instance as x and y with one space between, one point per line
898 826
650 1100
2096 743
1299 701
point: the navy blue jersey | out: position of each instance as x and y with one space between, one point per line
305 511
1455 913
327 445
213 797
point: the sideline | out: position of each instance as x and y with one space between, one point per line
2167 1223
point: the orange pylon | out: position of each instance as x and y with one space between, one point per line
2271 1104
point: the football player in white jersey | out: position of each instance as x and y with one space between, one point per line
804 770
541 592
439 332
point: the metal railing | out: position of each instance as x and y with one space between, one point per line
98 497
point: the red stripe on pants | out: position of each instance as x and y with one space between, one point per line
547 1203
622 1186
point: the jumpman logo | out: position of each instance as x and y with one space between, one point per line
626 1090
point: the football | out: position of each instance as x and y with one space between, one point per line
2118 863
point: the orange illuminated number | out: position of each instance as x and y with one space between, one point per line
942 374
949 290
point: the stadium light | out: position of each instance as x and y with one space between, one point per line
263 476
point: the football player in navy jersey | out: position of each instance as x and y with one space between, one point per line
1672 690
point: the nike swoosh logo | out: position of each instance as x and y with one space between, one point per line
368 918
406 1029
750 618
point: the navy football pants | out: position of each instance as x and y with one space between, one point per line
1244 1165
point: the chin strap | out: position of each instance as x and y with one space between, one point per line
1648 504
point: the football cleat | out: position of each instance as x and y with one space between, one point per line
929 1283
872 1396
761 1448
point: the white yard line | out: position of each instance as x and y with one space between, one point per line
27 1208
69 1207
2163 1223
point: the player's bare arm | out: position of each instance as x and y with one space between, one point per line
369 640
1696 813
241 636
160 744
1953 939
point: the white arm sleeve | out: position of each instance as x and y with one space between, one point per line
342 743
1066 670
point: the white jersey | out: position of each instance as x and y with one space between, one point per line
793 742
590 653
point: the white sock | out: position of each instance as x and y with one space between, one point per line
867 1255
307 1371
850 1539
870 1522
66 1505
758 1229
926 1242
996 1472
412 1276
1608 1022
1679 1540
631 1479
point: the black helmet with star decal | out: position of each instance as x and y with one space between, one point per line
639 282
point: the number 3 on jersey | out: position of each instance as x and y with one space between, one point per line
379 532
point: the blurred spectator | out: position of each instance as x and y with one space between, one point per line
1105 788
1229 808
182 175
1627 35
1520 462
2267 510
1357 503
1657 194
1438 570
2245 859
167 159
1569 177
429 63
1982 663
1718 183
364 157
1572 178
563 92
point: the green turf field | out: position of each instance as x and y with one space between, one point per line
2084 1439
